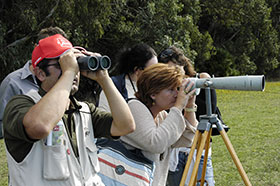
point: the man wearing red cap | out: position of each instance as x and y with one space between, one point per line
49 135
22 80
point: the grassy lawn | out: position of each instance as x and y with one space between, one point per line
253 118
3 165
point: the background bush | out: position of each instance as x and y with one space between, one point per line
221 37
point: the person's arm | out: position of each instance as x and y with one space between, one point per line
189 111
123 122
187 137
152 137
189 107
45 114
186 100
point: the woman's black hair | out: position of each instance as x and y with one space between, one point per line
136 56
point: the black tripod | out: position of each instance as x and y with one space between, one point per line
202 138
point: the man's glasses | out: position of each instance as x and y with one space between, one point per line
166 55
56 65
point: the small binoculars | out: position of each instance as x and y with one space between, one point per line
93 63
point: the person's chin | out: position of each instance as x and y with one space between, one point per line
169 107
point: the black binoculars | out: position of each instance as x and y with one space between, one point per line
93 63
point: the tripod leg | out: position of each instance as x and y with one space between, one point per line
235 158
205 158
187 166
198 157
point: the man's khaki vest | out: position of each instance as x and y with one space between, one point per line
56 165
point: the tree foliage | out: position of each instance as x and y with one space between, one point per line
221 37
243 30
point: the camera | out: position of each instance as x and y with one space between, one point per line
93 63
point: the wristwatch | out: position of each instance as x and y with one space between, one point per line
192 109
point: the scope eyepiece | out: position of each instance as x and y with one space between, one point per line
93 63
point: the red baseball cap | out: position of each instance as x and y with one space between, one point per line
50 47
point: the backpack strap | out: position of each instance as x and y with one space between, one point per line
128 99
119 82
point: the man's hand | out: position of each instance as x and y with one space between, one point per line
68 61
99 75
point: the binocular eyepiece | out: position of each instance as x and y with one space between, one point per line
93 63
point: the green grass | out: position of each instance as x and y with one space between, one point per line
254 121
3 165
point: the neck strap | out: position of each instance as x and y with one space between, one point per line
131 83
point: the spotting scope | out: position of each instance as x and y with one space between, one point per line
248 82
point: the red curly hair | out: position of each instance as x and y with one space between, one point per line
154 79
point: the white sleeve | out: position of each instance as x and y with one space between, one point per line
149 136
103 103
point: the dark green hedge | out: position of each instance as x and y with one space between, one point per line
220 37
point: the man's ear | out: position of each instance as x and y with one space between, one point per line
153 97
40 74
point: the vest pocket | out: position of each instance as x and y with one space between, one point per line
55 163
92 153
